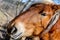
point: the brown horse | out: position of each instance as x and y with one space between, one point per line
33 22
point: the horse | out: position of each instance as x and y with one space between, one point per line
34 22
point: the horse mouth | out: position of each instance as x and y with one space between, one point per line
17 36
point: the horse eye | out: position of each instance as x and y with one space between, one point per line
43 14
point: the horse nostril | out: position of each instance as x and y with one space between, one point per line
12 30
